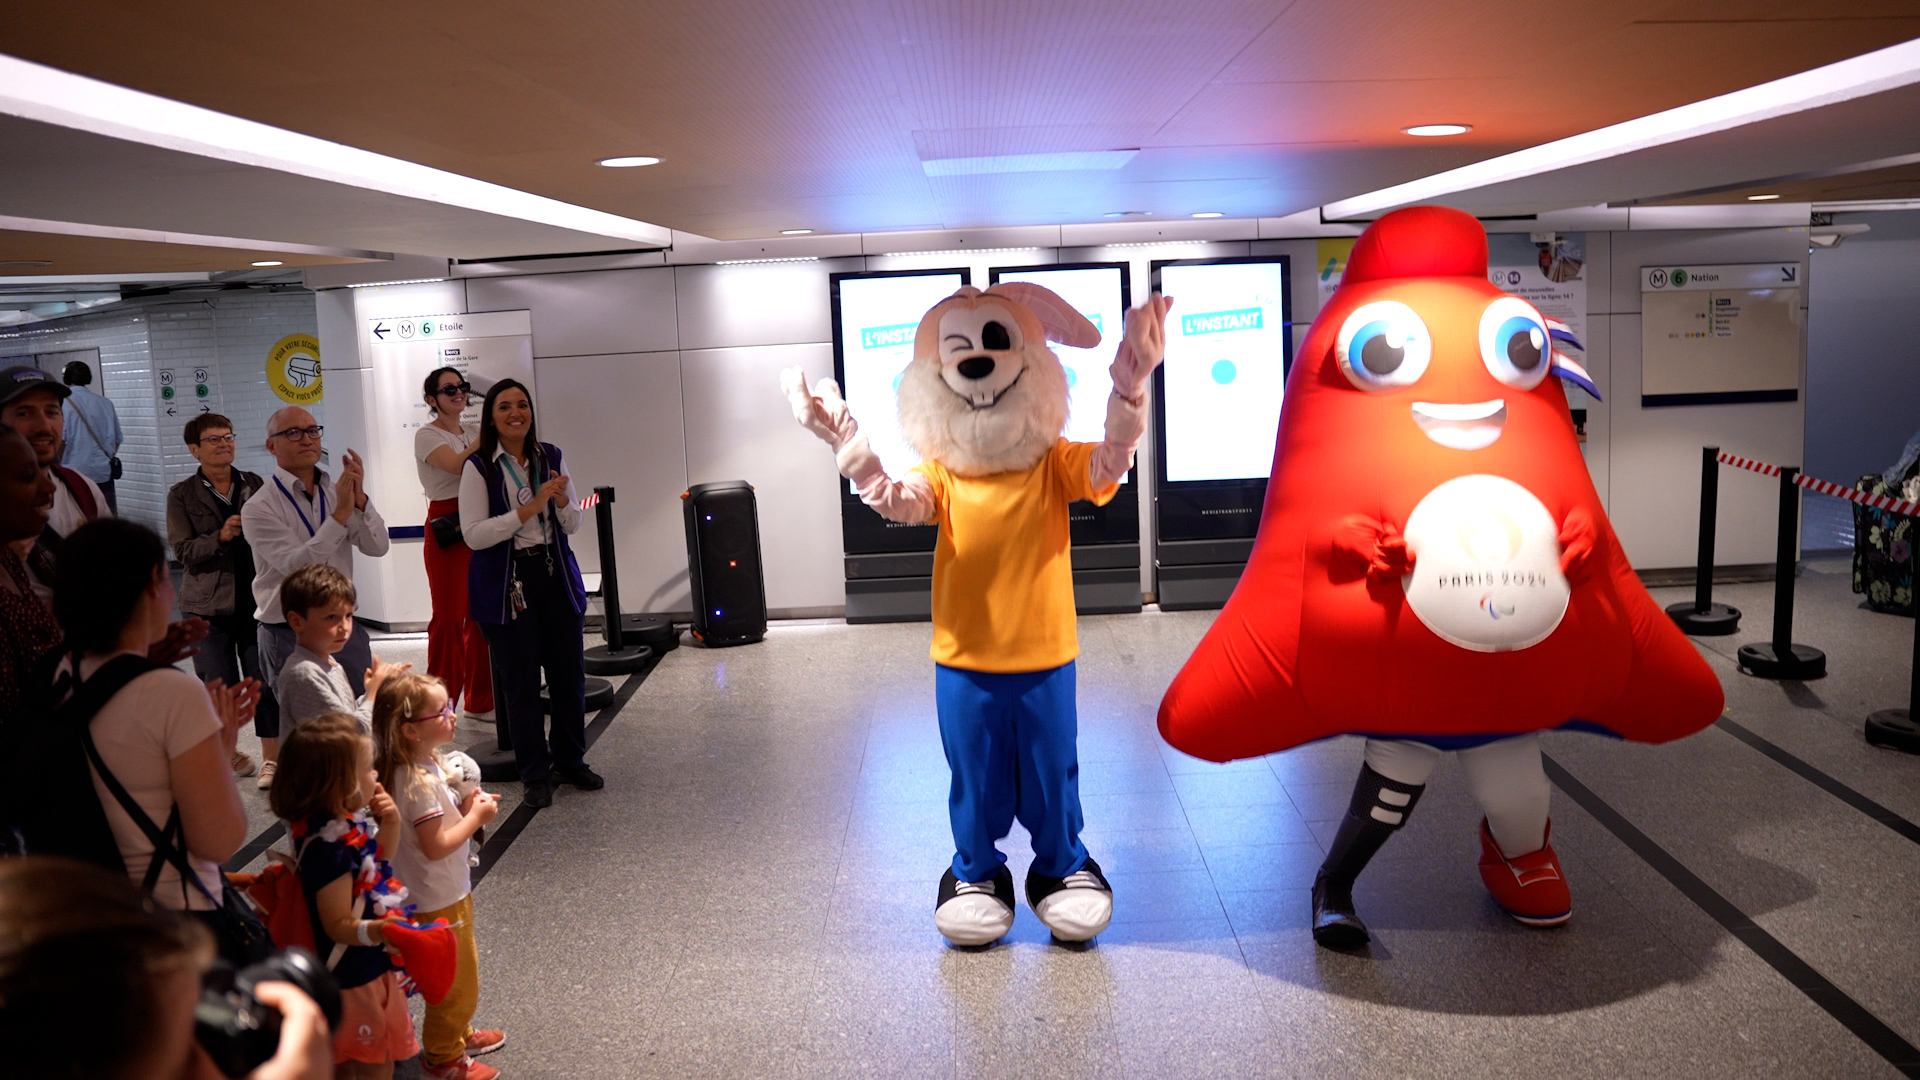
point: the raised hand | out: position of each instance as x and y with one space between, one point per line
1143 348
820 410
554 491
182 641
379 673
230 528
235 706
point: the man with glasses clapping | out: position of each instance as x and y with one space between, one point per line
301 517
207 535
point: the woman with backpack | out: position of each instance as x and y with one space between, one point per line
162 742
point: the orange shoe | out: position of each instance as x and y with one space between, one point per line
460 1068
1531 887
485 1041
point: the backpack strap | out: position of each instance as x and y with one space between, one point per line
339 948
77 487
89 696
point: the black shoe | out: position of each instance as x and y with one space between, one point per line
582 777
1378 809
1335 925
539 794
1075 907
974 913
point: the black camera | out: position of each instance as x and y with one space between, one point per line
239 1032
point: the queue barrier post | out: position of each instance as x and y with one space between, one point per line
1896 727
1701 616
618 656
1780 658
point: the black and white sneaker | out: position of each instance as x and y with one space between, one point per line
974 912
1075 907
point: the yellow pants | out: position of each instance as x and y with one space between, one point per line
443 1036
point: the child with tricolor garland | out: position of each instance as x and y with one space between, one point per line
413 719
344 826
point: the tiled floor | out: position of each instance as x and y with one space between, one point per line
752 893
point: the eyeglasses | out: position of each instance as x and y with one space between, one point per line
298 434
218 440
451 389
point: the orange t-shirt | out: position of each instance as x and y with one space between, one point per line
1003 570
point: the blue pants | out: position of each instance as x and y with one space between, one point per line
1010 743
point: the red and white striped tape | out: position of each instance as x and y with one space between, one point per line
1825 487
591 501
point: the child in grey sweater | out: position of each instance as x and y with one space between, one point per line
319 603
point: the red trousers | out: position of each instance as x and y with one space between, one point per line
456 650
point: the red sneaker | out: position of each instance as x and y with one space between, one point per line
460 1068
485 1041
1531 887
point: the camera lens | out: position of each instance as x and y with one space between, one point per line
240 1032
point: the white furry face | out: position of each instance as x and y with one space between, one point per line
980 352
980 422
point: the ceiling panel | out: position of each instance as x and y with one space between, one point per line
804 113
36 254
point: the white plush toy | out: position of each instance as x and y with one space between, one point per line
984 401
463 778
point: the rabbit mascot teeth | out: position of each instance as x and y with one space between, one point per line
984 401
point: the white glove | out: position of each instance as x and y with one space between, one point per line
1143 348
823 412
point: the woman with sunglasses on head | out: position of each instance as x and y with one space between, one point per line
456 649
517 508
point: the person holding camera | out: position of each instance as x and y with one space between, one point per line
97 984
456 649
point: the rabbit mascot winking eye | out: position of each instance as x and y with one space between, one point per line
984 402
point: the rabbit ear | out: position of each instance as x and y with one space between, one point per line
1063 324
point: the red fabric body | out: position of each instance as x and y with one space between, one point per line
283 907
429 955
1307 649
456 649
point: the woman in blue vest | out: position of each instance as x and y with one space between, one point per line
517 507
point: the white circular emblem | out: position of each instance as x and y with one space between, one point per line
1486 574
525 496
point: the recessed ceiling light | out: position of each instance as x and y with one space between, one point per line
1429 131
1869 73
1761 198
1209 214
269 262
1125 213
795 232
26 262
633 162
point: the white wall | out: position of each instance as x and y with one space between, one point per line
1863 348
655 378
1653 481
229 331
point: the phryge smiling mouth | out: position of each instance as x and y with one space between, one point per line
1473 426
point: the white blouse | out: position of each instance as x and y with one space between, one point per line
430 437
482 532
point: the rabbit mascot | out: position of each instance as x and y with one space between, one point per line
984 402
1434 571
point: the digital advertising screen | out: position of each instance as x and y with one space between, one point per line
875 315
1229 344
1098 291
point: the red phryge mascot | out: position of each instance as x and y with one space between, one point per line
1434 571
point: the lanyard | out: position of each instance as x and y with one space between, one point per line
523 485
296 502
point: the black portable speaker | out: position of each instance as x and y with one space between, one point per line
723 563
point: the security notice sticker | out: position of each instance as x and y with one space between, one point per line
293 369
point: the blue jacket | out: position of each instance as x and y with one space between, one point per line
490 571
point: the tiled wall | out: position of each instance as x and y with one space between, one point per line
231 332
